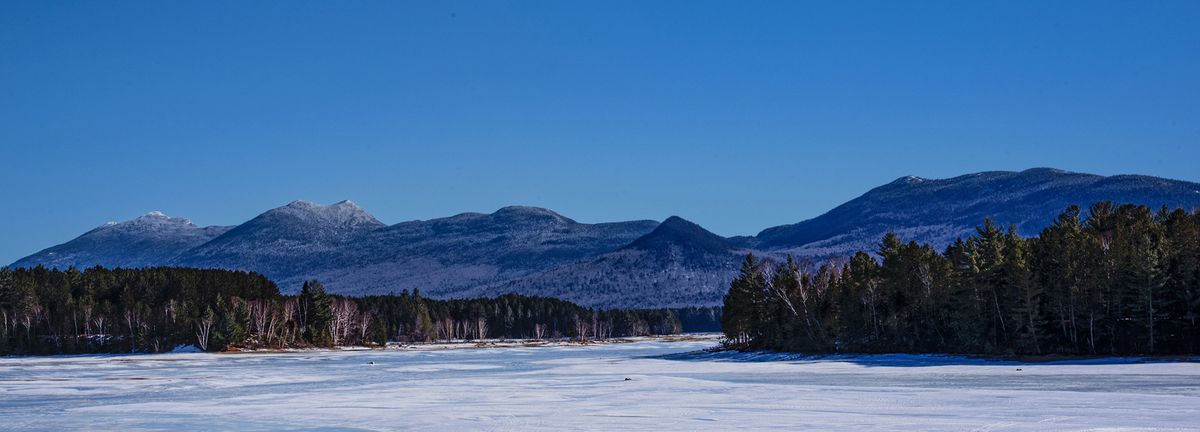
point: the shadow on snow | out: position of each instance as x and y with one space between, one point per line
907 360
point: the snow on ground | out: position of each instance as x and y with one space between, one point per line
585 388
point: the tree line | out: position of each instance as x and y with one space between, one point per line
1122 280
98 310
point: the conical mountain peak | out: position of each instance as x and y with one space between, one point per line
678 232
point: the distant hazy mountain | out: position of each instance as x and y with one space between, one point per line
630 264
151 239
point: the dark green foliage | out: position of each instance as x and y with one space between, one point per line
1125 280
699 319
742 302
46 311
315 309
123 310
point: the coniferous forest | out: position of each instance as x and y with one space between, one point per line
1122 280
1118 279
97 310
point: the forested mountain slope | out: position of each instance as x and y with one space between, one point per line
536 251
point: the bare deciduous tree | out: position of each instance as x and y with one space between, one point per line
204 330
481 328
344 313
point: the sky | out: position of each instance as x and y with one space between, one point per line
735 115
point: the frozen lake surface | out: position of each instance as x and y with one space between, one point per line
573 387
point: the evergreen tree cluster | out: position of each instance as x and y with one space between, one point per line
98 310
1123 280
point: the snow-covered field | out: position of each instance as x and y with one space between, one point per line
585 387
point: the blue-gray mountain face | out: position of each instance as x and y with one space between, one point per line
627 264
149 240
939 211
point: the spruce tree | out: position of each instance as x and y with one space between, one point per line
1146 278
741 302
787 316
1026 314
318 308
858 305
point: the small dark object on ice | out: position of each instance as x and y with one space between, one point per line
1018 369
628 379
371 363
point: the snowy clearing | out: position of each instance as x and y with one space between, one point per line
585 388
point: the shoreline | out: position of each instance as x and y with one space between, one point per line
722 353
400 347
488 344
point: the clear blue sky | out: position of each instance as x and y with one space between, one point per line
736 115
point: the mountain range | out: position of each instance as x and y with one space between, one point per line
536 251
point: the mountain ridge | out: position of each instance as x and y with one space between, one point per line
147 240
534 250
1029 199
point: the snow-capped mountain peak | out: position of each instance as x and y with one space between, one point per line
159 218
150 239
302 204
343 213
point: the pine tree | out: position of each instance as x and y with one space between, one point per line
741 303
422 321
965 326
989 243
1181 295
1146 277
318 308
1026 315
858 305
236 322
784 303
1058 263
